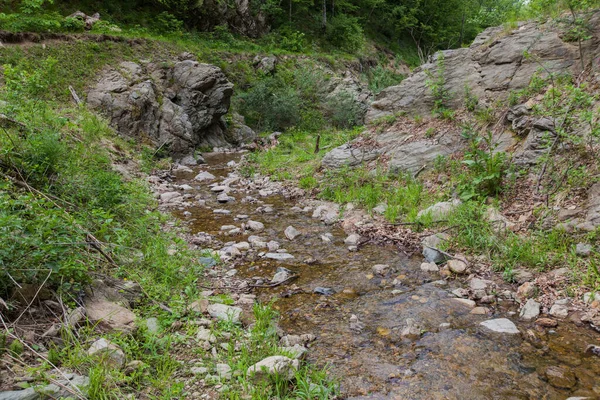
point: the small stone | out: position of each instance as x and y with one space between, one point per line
224 312
546 323
560 377
590 297
325 239
199 370
281 276
297 352
279 256
478 284
223 371
352 240
429 267
500 325
204 176
255 226
242 246
380 269
323 291
291 233
559 311
284 367
526 290
223 198
479 311
457 266
199 306
107 352
219 189
205 335
466 302
530 310
221 211
444 325
583 249
521 276
273 245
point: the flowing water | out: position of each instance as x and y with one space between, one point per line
371 358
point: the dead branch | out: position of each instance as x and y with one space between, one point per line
74 95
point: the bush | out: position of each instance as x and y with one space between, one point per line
343 110
379 78
71 24
345 33
166 23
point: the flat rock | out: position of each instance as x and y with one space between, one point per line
107 352
457 266
279 256
500 325
429 267
439 210
109 315
225 312
204 176
352 240
559 311
255 226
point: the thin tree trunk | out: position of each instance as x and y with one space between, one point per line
290 13
324 14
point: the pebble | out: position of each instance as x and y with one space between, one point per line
279 256
352 240
221 211
429 267
323 291
291 233
457 266
219 189
500 325
531 310
380 269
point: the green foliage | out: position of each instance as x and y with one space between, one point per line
486 166
167 23
471 101
343 110
380 78
345 32
436 83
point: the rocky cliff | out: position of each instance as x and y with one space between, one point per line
178 106
497 63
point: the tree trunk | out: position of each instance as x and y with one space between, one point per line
324 14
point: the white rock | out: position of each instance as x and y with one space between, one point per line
219 189
107 352
478 284
204 176
273 245
283 367
430 267
255 226
225 312
279 256
223 371
205 335
291 233
530 310
500 325
169 196
457 266
352 240
186 188
559 311
440 210
242 246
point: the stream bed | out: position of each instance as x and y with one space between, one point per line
361 327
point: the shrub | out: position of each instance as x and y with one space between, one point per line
380 78
343 110
345 33
166 23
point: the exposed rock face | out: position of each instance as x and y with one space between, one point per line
493 66
178 107
241 16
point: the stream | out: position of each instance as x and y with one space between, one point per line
360 328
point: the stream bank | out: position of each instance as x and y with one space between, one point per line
386 327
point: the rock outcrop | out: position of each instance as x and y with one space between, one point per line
178 107
497 63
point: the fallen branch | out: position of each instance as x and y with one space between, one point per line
74 95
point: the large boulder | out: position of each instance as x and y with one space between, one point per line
178 106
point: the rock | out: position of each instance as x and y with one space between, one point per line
380 269
296 352
457 266
204 176
325 239
478 284
323 291
180 104
219 189
61 389
592 218
198 370
500 325
521 276
429 267
352 240
153 325
380 209
411 330
205 335
583 249
347 155
223 371
281 275
254 226
430 244
498 221
439 210
273 245
279 256
88 20
559 311
169 196
527 290
284 367
224 198
224 312
109 316
107 352
242 246
479 311
530 310
291 233
466 302
560 377
546 322
221 211
265 64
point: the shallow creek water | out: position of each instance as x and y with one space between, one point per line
463 361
